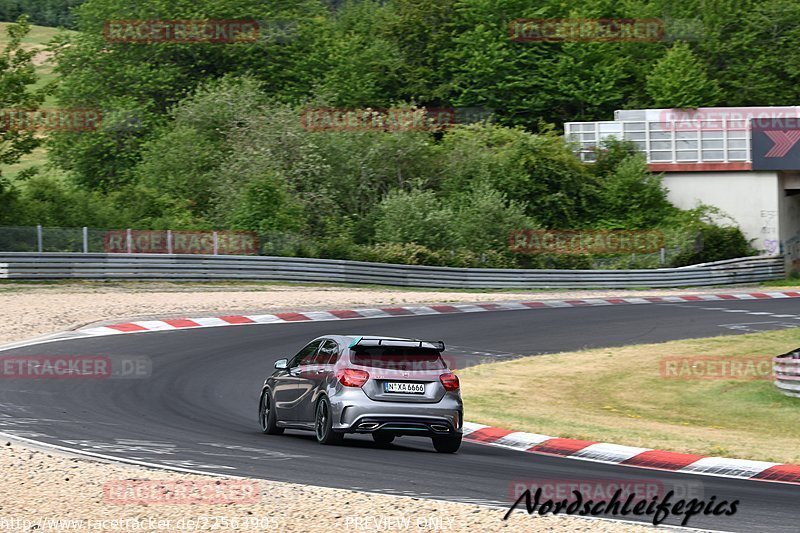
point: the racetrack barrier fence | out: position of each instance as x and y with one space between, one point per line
205 267
786 368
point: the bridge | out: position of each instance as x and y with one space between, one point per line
744 160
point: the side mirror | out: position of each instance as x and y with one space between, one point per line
281 364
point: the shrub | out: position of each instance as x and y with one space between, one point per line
400 253
715 243
416 217
537 171
483 218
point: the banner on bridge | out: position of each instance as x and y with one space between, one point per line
775 143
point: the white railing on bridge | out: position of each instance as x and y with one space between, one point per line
720 140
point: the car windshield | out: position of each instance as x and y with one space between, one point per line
398 358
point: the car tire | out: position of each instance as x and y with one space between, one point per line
382 438
323 424
267 416
447 444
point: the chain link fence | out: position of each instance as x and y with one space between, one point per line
277 244
92 240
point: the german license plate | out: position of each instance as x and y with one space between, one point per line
404 387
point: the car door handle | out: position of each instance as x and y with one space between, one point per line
297 372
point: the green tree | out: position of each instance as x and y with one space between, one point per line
43 12
531 83
538 171
629 195
150 78
361 68
422 33
752 48
679 79
416 216
52 202
183 159
484 218
17 77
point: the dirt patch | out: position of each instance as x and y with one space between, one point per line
41 58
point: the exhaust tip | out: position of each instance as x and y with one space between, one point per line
440 428
368 426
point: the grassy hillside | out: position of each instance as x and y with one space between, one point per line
36 39
37 36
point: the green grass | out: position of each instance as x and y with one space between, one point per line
37 158
618 395
38 37
792 281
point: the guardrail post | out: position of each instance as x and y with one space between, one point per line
129 239
216 244
39 238
169 241
85 240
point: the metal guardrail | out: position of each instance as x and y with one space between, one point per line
30 266
786 368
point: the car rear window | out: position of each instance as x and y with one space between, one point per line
398 358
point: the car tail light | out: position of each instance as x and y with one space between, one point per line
350 377
450 381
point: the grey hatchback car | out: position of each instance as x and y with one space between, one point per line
383 386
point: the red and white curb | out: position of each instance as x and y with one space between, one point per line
631 456
388 312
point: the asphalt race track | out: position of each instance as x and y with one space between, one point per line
198 409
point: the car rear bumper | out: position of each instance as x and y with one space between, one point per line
399 418
421 426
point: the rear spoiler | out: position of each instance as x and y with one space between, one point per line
361 341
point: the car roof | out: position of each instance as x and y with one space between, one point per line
352 339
